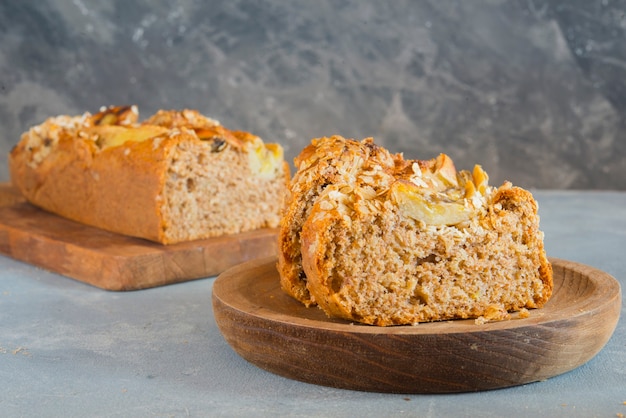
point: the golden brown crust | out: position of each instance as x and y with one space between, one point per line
185 118
111 172
93 187
205 128
391 241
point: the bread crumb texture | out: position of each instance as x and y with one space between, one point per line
371 237
176 176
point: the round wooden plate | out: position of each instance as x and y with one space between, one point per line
278 334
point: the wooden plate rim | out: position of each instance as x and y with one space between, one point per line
609 289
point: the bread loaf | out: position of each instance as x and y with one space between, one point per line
177 176
373 238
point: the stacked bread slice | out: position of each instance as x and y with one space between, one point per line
373 238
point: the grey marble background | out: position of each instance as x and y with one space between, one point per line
535 91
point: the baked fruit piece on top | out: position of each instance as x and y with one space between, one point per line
373 238
177 176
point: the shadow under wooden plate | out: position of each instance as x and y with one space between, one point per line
278 334
112 261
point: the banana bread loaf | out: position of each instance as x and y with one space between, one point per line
373 238
177 176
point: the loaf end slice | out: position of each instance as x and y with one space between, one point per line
326 161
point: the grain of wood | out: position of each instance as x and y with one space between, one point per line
279 334
115 262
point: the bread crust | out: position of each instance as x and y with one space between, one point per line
62 167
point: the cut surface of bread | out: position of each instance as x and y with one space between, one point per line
333 160
373 238
177 176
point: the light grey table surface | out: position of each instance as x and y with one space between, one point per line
69 349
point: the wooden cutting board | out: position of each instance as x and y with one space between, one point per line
116 262
279 334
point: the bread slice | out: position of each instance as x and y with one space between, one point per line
177 176
327 161
388 241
